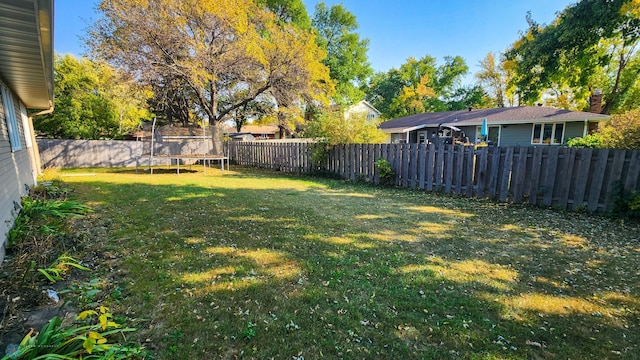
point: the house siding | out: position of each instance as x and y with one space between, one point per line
514 135
573 129
16 174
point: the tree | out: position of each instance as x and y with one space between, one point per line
289 12
93 101
421 86
589 42
227 53
334 128
623 131
496 77
346 52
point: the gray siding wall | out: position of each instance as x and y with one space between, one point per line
513 135
17 173
573 129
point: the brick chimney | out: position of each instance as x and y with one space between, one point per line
596 101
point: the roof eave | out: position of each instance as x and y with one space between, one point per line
26 32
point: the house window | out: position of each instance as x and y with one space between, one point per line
10 118
494 134
422 137
549 134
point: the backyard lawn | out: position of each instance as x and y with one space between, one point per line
250 264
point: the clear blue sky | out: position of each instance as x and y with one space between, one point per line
396 29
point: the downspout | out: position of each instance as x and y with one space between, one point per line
35 150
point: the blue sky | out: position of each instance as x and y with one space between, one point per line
396 29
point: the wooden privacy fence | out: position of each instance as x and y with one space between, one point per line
566 178
295 157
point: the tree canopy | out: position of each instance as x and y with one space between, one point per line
423 86
591 45
346 51
226 53
93 101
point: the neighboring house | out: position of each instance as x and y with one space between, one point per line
255 132
523 125
363 107
26 82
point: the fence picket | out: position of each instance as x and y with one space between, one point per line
506 174
550 176
597 178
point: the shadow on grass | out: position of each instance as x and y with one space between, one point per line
327 269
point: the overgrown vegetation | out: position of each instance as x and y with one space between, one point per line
622 132
252 264
626 204
38 264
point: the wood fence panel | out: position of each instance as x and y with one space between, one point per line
633 174
583 170
536 170
494 169
439 168
470 165
448 168
430 163
566 176
518 175
550 176
413 166
505 177
377 154
459 168
421 165
597 179
481 172
614 176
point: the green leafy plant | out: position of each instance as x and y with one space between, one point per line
626 204
39 216
589 141
85 294
385 173
91 338
249 331
60 267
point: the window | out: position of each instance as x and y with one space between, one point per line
494 134
422 138
549 134
10 118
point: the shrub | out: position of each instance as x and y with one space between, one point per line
589 141
626 204
385 173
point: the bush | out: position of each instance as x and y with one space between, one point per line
589 141
626 204
385 173
623 131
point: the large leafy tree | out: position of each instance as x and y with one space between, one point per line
421 85
333 127
495 74
227 53
93 101
346 51
592 44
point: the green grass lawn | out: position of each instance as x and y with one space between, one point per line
253 264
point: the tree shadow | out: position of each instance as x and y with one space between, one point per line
335 270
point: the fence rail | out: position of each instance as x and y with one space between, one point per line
561 177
